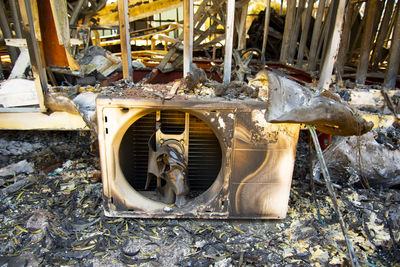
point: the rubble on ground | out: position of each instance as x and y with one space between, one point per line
58 219
370 159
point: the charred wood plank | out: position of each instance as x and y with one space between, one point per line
344 43
333 48
304 33
362 68
383 31
187 36
123 15
17 18
242 27
266 25
30 22
289 21
6 30
312 61
230 15
296 30
328 29
394 56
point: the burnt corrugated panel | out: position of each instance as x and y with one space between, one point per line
172 122
134 147
204 155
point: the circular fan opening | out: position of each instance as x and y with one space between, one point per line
204 161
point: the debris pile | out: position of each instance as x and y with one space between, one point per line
58 219
371 159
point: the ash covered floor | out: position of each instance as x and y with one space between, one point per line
52 214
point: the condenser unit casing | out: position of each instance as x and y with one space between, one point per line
239 166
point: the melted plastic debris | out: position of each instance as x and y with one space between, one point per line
354 158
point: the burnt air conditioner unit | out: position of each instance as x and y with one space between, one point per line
194 158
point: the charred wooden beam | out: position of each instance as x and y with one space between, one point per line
333 48
230 15
30 33
304 33
383 30
242 27
312 61
328 28
109 15
6 30
362 68
75 13
356 40
123 13
289 20
266 25
394 56
187 36
345 41
17 18
295 32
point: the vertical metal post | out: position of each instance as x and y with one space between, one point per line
187 36
123 14
333 48
230 19
266 25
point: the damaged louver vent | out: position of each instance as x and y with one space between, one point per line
204 150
